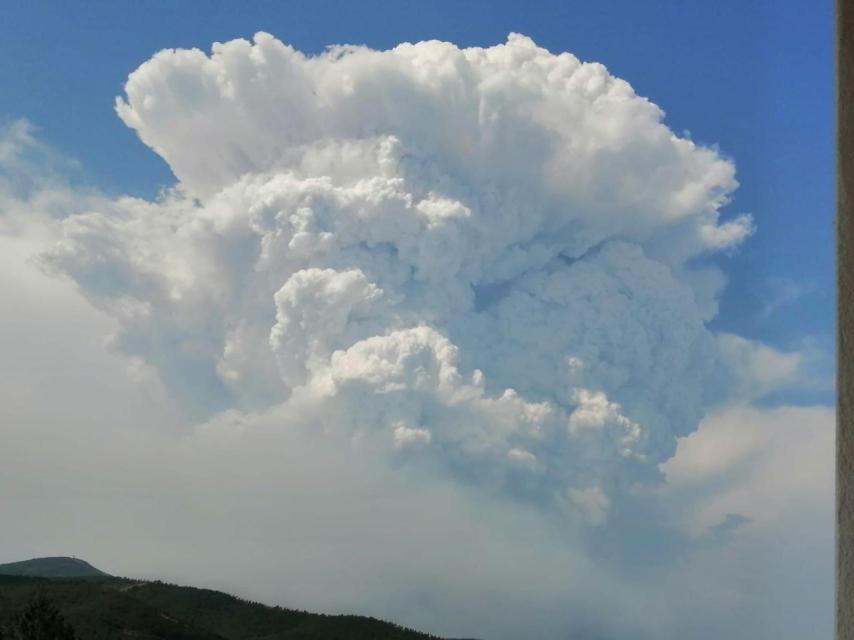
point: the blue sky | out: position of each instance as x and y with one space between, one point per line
456 301
754 78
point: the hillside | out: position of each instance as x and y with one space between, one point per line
107 608
59 567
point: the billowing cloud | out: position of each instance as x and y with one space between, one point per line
419 333
488 259
95 463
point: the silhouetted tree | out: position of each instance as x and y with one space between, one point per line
39 620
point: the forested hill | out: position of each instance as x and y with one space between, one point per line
59 567
107 608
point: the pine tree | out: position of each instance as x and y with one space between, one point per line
39 620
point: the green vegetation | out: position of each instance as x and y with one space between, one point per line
39 620
107 608
61 567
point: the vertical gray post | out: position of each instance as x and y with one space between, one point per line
845 318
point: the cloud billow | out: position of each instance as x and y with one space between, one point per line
481 257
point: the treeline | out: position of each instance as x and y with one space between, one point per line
39 620
108 608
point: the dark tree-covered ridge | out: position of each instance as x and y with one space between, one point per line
108 608
38 620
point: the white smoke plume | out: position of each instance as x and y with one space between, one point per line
486 259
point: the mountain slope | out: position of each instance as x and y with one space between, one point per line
106 608
59 567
